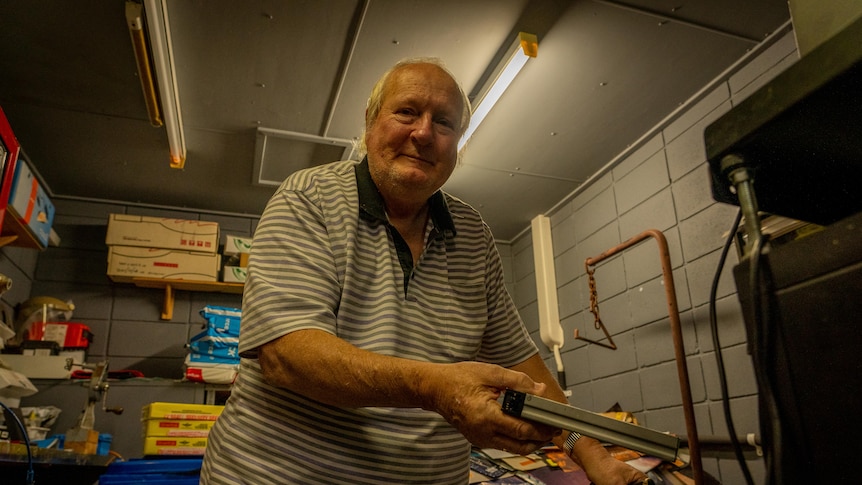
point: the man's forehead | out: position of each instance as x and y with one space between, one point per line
422 74
419 81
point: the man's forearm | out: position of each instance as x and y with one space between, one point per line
325 368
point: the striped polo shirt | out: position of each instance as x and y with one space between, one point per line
324 257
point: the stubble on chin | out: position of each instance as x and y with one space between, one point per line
406 179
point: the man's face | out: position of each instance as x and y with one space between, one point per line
413 142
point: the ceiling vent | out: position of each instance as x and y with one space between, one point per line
279 153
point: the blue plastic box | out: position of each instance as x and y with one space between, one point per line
31 204
171 471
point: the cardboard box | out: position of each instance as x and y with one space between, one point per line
158 232
176 428
234 274
126 263
179 410
167 445
30 205
234 245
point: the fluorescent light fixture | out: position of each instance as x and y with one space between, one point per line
163 105
135 22
524 47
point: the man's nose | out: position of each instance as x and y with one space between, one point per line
423 129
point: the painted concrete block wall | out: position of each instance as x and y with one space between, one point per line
662 183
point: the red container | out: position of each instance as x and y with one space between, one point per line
8 158
70 335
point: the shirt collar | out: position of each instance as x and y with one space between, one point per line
371 202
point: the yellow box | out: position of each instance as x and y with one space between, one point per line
183 411
165 445
176 427
159 232
126 263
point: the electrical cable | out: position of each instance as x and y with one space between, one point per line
31 475
722 376
763 342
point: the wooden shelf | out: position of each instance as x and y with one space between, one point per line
190 285
170 286
15 233
7 240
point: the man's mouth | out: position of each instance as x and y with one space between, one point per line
417 158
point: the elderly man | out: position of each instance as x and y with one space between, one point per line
377 333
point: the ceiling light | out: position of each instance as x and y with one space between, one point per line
523 48
135 22
167 108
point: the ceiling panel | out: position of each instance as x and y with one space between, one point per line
273 63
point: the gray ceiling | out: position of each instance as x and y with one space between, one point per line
606 73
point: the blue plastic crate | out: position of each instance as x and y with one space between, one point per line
148 479
174 471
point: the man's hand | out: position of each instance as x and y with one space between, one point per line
601 467
615 472
466 394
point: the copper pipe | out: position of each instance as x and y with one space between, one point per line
676 331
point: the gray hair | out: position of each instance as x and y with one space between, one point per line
375 100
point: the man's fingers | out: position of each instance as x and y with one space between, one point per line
519 447
519 381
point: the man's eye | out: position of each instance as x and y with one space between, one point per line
446 126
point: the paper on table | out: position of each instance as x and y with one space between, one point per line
495 454
644 463
524 463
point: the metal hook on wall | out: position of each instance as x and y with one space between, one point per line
594 309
